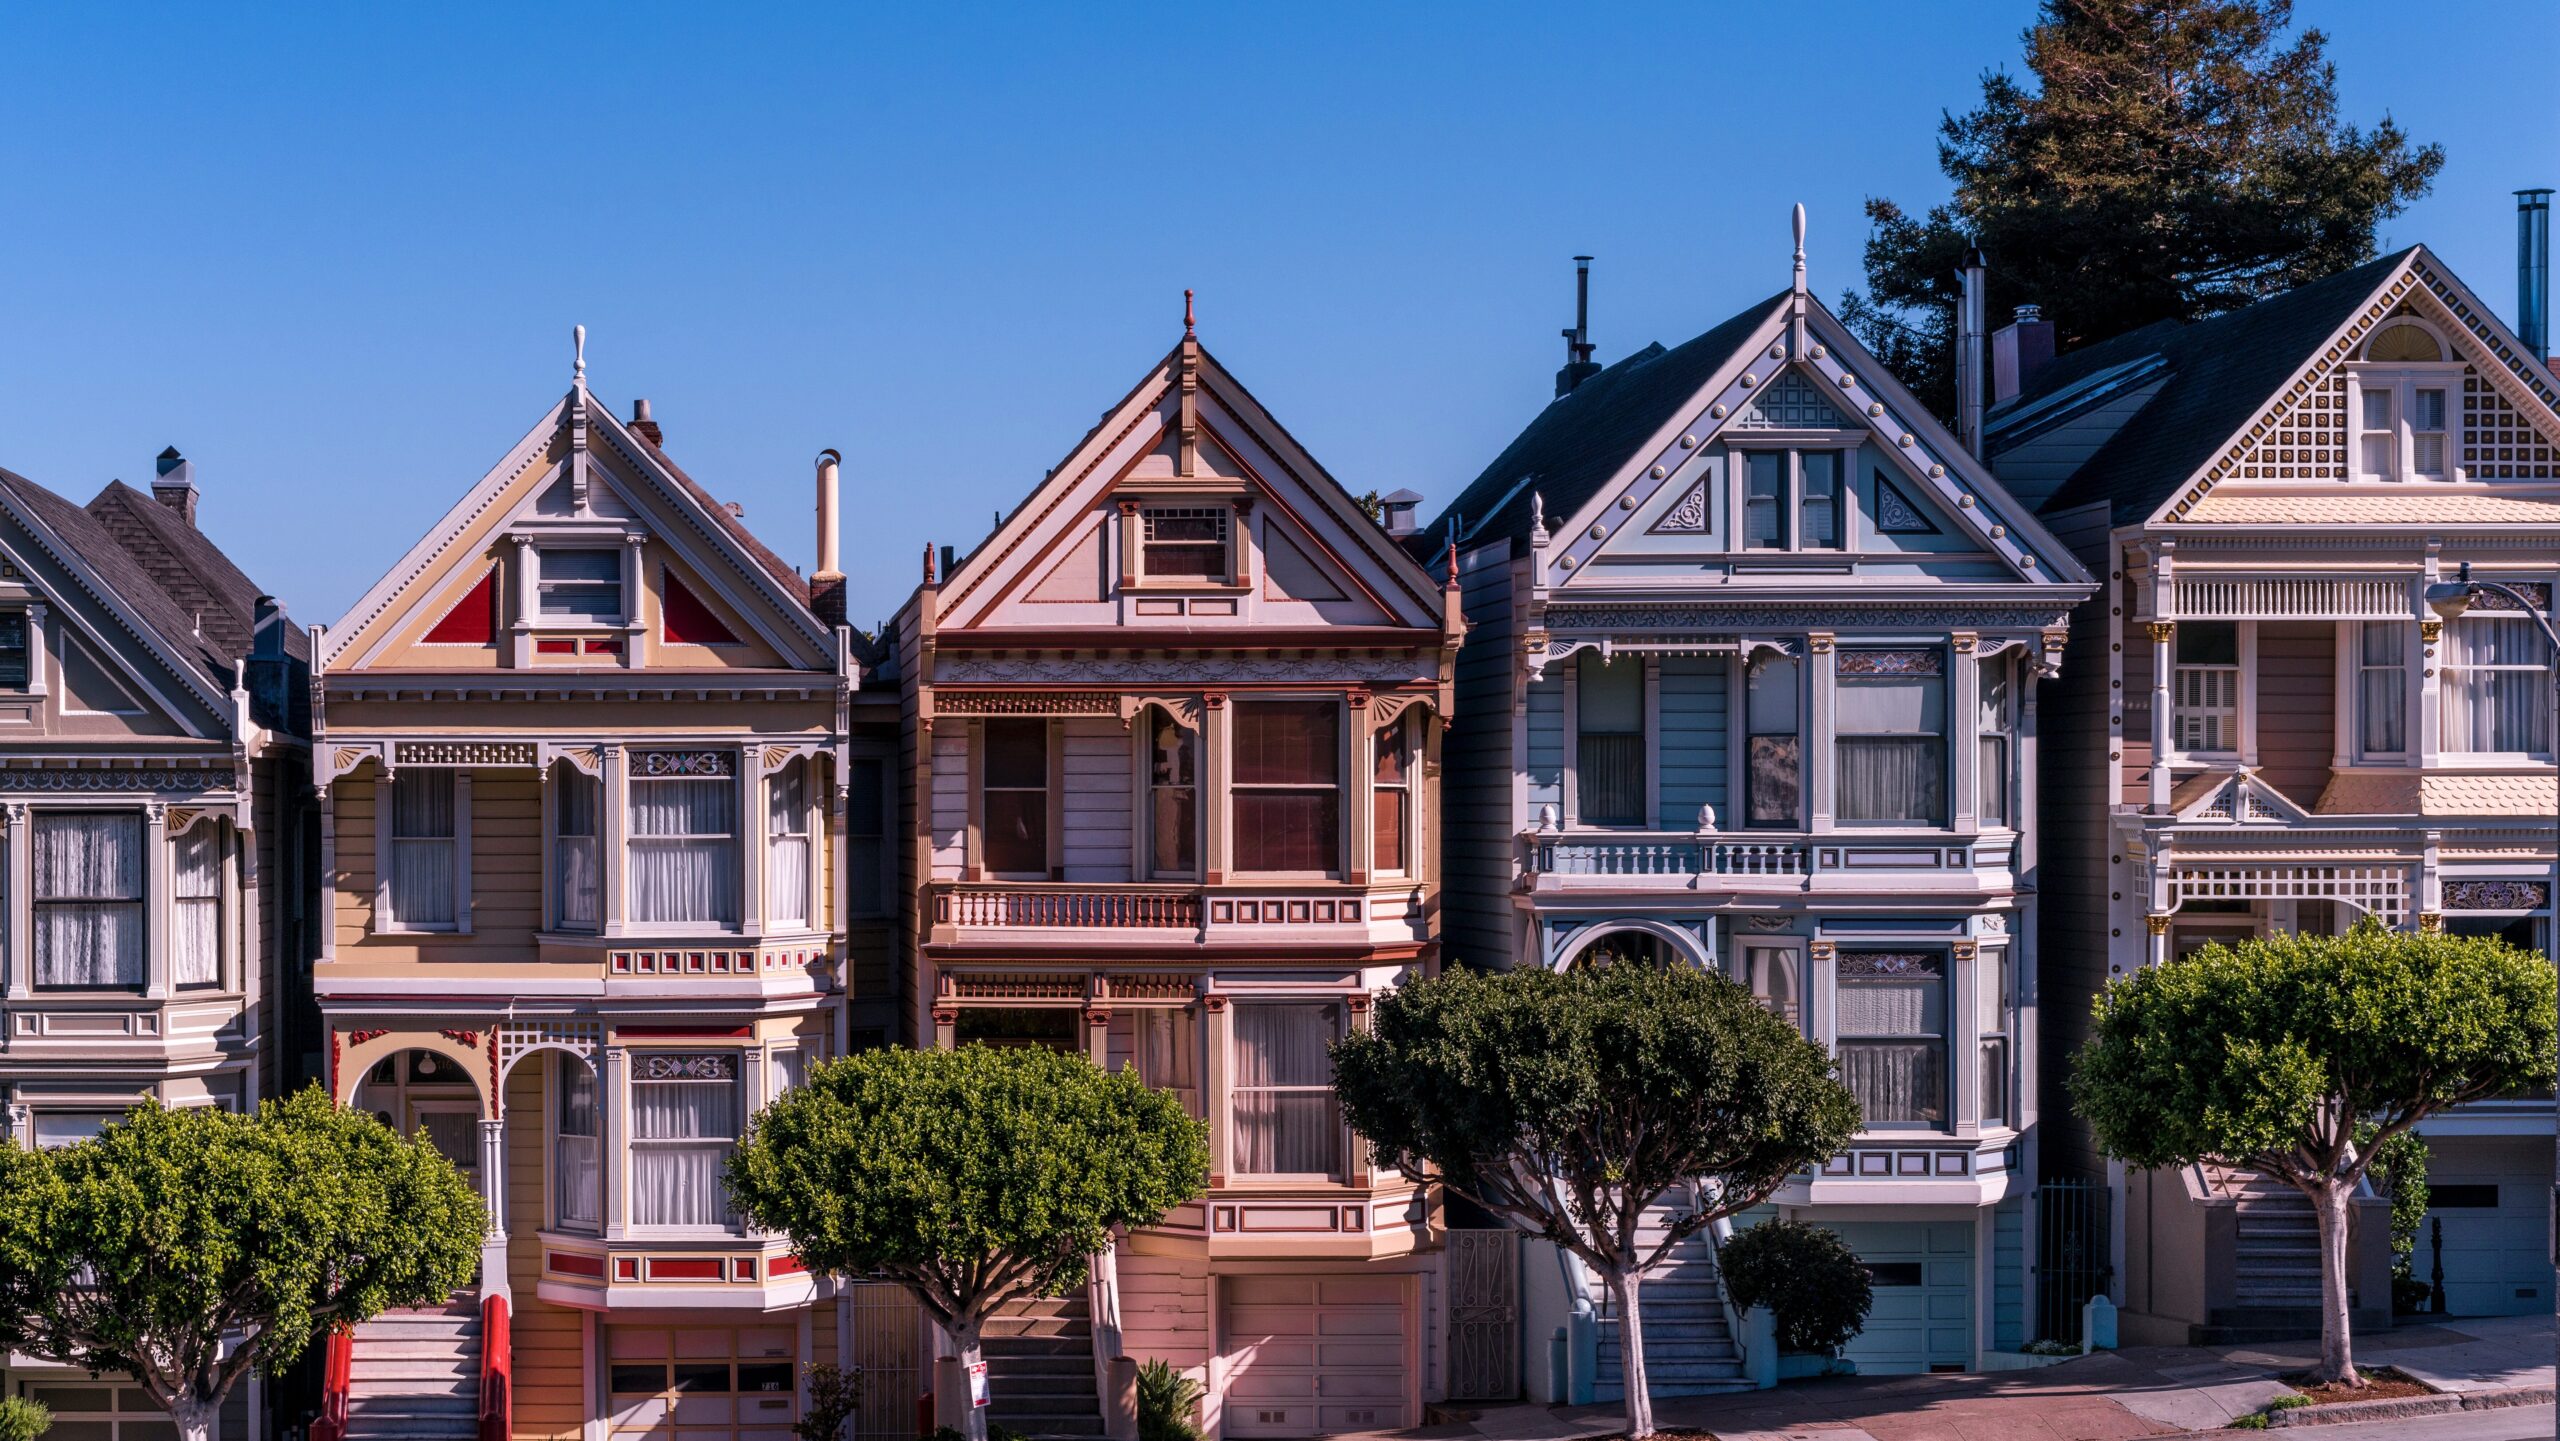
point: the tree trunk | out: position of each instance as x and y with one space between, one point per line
965 1340
195 1419
2337 1348
1631 1354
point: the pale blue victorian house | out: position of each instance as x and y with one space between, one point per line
1750 683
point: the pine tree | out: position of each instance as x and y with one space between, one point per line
2171 159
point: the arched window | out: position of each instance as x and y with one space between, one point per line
2402 408
1636 948
2402 343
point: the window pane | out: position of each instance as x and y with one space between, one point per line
1772 696
684 1121
1173 826
576 565
684 856
1991 805
88 898
2377 409
2427 410
1018 754
1288 743
1389 823
1821 499
13 650
422 804
1017 831
195 930
1609 695
2382 689
1897 998
1190 541
1609 779
580 584
1764 495
2208 642
1995 1082
576 1172
1912 705
1288 830
1775 780
2497 692
787 846
1286 1118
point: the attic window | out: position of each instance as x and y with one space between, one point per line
2403 344
1186 542
579 584
13 650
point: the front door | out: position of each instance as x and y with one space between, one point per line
453 1128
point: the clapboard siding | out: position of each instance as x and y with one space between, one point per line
1098 754
2136 703
547 1342
950 800
1476 794
1692 704
2297 706
1164 1310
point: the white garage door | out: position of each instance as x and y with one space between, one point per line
2492 1210
1312 1355
1923 1276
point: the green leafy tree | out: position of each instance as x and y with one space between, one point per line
140 1251
2169 159
970 1177
1569 1103
2303 1057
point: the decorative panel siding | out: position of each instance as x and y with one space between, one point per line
1164 1309
1098 755
2297 705
950 798
352 800
2133 702
1546 743
2074 867
506 862
1476 796
1693 739
2009 1274
547 1341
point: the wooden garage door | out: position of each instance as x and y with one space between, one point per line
1312 1355
1923 1277
706 1383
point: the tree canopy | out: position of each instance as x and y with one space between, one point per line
2165 159
138 1251
970 1176
1570 1102
2302 1056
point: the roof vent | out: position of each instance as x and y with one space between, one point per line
1396 512
173 484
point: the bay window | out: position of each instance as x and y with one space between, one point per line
685 863
2206 687
1773 749
576 878
195 908
2382 688
685 1114
1173 799
1890 720
1391 793
1288 786
1609 740
426 829
1014 799
1893 1036
88 899
576 1169
788 848
1287 1121
1995 731
2497 684
1991 981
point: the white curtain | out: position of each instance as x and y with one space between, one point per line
1286 1119
2498 691
573 864
1901 1080
1891 778
423 820
681 1134
88 898
575 1169
1168 1054
2382 684
684 850
786 865
195 912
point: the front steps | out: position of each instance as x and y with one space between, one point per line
1689 1350
1039 1355
415 1374
2276 1264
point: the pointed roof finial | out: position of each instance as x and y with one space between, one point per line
1799 247
1452 582
928 562
1538 517
578 373
1189 325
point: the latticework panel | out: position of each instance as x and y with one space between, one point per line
2498 442
1790 403
2378 890
2306 437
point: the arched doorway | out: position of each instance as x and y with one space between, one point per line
426 1093
1628 942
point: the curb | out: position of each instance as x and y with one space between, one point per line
2403 1407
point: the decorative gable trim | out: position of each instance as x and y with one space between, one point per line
1896 514
78 571
473 621
1688 516
683 619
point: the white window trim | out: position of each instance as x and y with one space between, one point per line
812 834
385 922
1793 446
2244 718
563 1066
226 898
2446 677
2401 380
749 857
749 1082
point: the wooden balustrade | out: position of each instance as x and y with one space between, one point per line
1028 908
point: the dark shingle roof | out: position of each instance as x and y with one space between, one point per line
1582 438
190 568
791 582
2222 371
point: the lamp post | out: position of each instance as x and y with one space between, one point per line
2449 599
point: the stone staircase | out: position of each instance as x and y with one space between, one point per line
1039 1356
415 1374
2275 1263
1689 1349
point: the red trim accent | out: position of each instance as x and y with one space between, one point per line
724 1032
604 647
785 1265
336 1378
626 1268
473 619
571 1263
1212 638
685 620
555 647
497 1372
685 1268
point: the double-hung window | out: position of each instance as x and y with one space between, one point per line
1793 500
425 850
1773 746
15 655
1995 729
576 877
195 907
88 899
788 849
1890 717
1173 799
1991 980
685 1116
576 1171
1391 793
1014 799
579 584
2382 688
1609 744
2497 686
2403 429
1185 542
685 867
1893 1036
1287 1121
1288 786
2206 687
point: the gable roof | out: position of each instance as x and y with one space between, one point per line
2221 373
1585 436
190 568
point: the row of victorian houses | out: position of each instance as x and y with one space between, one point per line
593 825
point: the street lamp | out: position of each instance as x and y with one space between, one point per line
2449 599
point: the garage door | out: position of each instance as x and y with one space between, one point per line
1311 1355
702 1383
1923 1274
2491 1208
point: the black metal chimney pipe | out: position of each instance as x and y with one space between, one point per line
1578 365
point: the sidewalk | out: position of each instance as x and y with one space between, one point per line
2141 1391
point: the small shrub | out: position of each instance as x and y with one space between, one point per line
1808 1278
2051 1348
2409 1295
2287 1402
1167 1400
2254 1421
23 1420
835 1393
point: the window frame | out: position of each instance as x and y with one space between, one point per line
1944 1038
637 1144
1229 523
387 919
1995 730
139 903
29 651
1339 788
1750 730
1994 984
2451 672
800 771
1154 792
542 586
555 840
1340 1141
566 1068
2362 667
218 899
2397 383
1400 735
983 788
730 770
1794 496
1585 662
1843 681
2236 670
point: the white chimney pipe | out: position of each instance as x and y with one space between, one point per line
829 462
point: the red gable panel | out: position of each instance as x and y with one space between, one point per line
687 621
473 620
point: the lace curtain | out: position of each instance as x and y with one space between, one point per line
88 898
574 869
575 1169
1168 1044
1286 1119
2497 692
423 821
195 911
1893 1056
684 1122
684 850
786 865
2382 686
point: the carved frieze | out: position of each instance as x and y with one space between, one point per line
1025 703
140 779
684 763
1623 619
2495 895
463 753
1168 671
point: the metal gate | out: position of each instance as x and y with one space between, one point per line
2071 1253
1484 1315
888 1344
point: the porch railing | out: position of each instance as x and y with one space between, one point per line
1010 908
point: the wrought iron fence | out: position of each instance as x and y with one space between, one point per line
2071 1253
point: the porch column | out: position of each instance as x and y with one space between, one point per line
493 1175
2164 635
613 1108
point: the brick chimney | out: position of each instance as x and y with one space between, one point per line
173 484
2020 350
645 425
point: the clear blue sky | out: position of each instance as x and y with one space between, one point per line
334 253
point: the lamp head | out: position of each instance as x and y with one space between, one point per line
2450 598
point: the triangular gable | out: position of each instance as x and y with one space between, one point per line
1897 513
1924 458
147 625
2236 797
89 684
1076 577
1790 403
683 618
1291 573
2509 427
473 620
